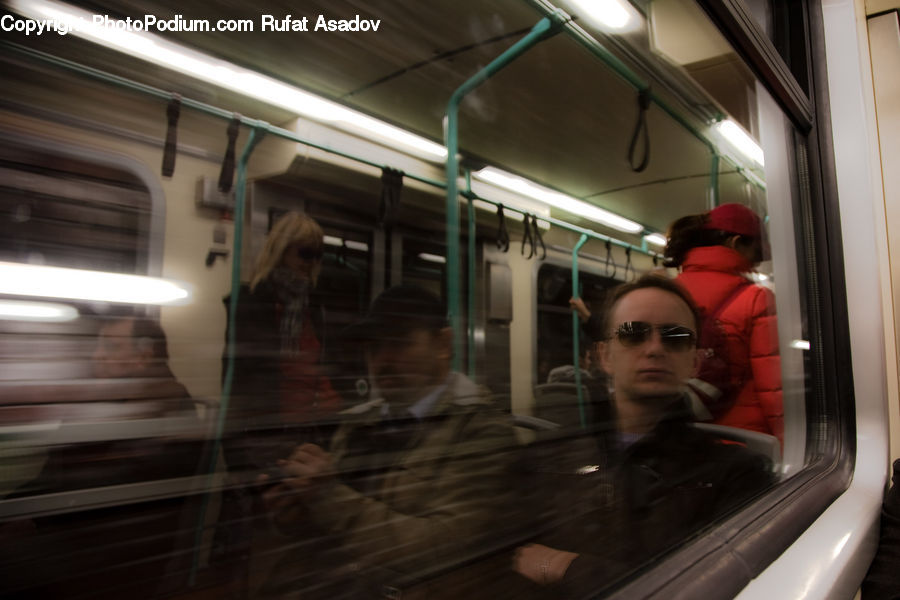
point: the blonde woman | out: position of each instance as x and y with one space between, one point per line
280 397
278 384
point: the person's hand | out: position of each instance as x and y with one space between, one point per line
542 564
307 466
579 307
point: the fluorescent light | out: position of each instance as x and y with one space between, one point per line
608 15
800 344
752 177
330 240
657 239
176 57
509 199
525 187
740 140
432 258
422 147
363 247
14 310
98 286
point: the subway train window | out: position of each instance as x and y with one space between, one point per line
515 300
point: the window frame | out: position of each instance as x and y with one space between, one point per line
720 562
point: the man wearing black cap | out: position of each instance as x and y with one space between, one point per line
415 479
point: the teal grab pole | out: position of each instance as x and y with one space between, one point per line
576 326
470 204
258 130
539 32
714 181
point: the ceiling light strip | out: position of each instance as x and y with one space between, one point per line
657 239
738 139
556 199
170 55
47 312
98 286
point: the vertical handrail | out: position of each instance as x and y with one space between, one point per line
258 130
540 31
471 272
713 196
576 326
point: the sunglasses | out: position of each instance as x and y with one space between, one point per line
675 338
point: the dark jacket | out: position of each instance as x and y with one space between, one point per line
883 579
254 402
627 506
404 510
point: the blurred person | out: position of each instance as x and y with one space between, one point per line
882 582
280 395
414 481
653 480
598 382
104 549
593 380
279 389
590 322
132 381
716 252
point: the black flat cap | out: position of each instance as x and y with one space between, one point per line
399 310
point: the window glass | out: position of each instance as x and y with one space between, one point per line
784 23
346 412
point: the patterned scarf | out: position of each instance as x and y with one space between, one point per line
293 292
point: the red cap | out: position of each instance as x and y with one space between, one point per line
734 218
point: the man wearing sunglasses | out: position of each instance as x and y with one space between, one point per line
654 479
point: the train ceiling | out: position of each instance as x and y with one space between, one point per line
557 115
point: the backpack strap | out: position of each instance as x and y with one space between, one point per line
729 299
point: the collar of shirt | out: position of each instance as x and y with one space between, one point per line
423 406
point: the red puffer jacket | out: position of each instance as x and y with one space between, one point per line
710 274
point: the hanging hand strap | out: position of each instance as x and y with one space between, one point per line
536 232
389 205
502 233
527 237
609 261
629 266
226 176
640 128
342 254
173 111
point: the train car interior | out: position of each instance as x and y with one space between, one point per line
503 157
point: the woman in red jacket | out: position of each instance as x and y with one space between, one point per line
716 252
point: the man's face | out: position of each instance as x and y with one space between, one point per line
651 369
115 354
404 366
